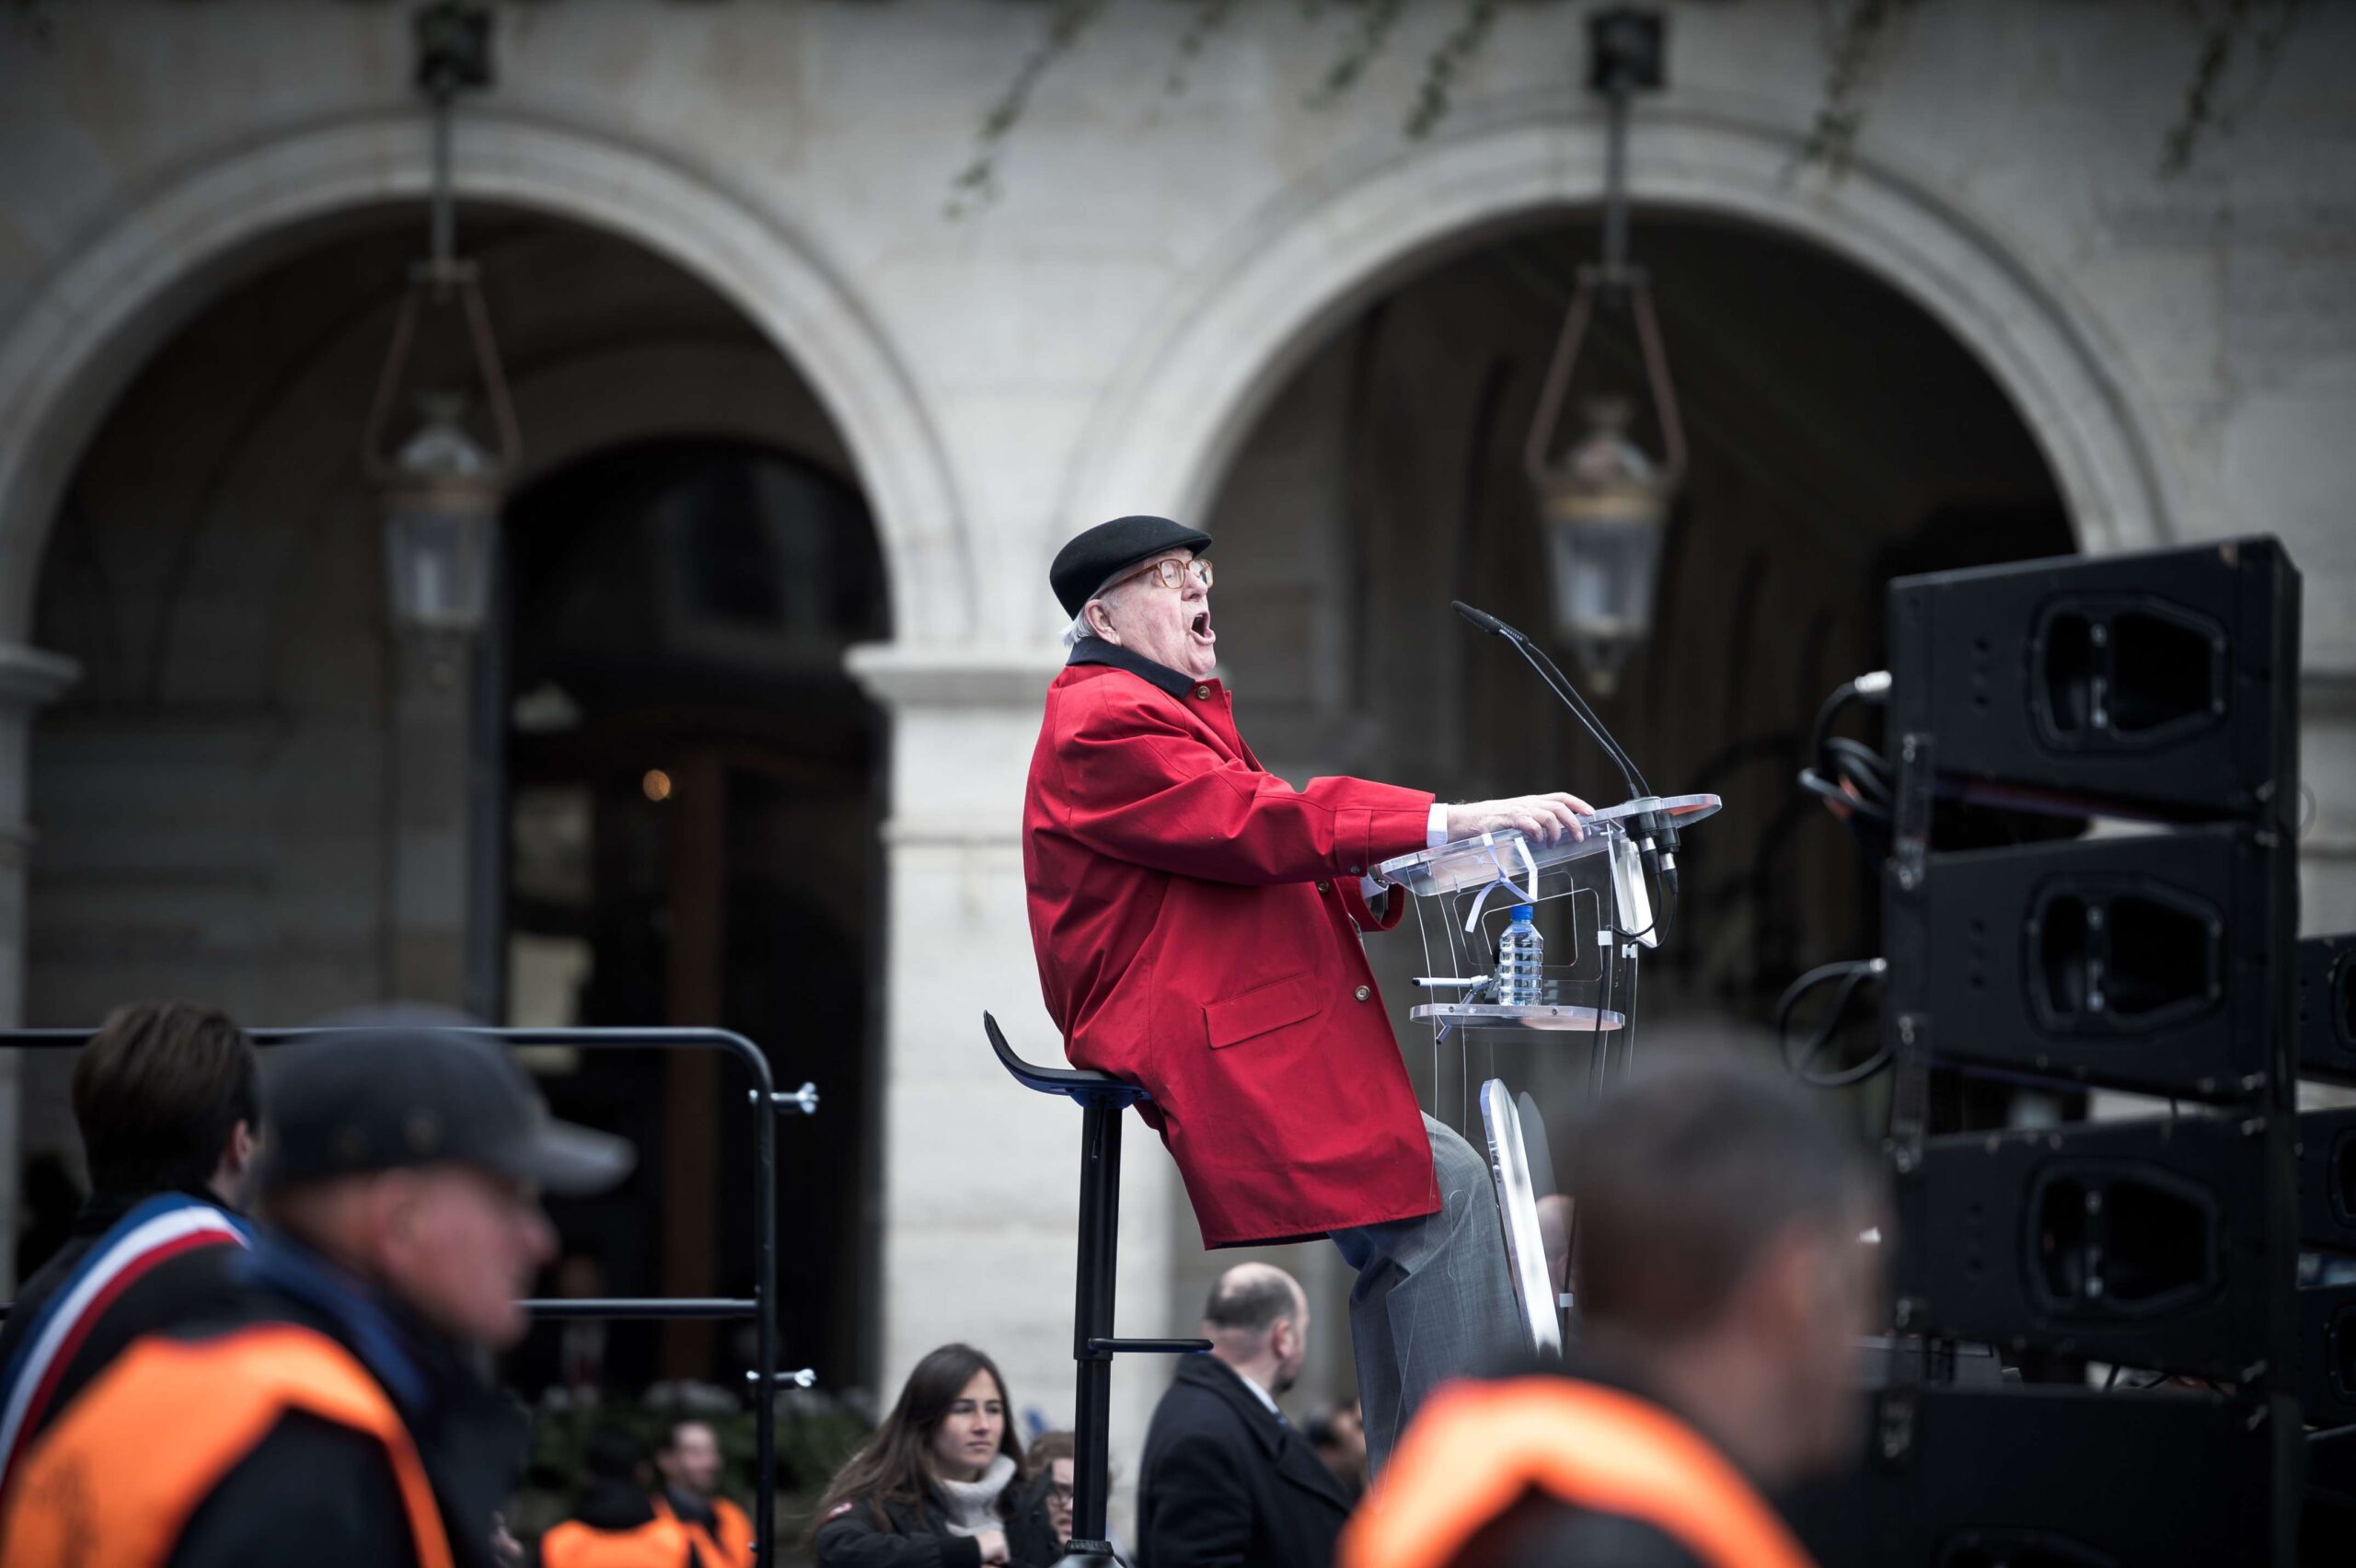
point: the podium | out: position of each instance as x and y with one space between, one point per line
1600 903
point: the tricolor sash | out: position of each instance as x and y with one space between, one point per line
156 1229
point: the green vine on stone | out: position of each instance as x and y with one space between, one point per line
1366 46
2222 34
1447 63
1855 31
977 181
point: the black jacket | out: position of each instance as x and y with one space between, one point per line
1226 1484
311 1493
853 1539
189 1286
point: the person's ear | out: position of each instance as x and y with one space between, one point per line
238 1156
1100 621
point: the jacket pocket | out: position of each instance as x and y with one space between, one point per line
1233 1020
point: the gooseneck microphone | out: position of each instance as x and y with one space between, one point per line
1657 832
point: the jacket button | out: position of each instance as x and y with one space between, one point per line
1325 887
1363 992
1355 871
1203 693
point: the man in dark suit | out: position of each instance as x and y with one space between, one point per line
1227 1480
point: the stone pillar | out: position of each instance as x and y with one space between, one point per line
981 1177
30 680
2328 785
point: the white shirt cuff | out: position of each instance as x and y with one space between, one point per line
1435 826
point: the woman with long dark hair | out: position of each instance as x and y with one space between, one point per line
935 1485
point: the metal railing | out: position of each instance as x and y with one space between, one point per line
767 1104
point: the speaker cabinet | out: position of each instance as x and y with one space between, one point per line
2144 1243
2143 961
2324 1011
2328 1355
2328 1181
2164 680
2044 1476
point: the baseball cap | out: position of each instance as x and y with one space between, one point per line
350 1101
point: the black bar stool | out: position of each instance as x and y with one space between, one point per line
1101 1098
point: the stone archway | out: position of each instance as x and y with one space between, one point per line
1164 434
108 304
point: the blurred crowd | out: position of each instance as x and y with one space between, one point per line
268 1336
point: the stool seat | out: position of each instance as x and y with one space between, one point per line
1087 1088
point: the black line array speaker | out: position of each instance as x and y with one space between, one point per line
2167 679
2154 698
2061 1478
2328 1181
2325 1011
2143 1243
2149 961
2328 1355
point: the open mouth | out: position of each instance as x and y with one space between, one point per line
1200 629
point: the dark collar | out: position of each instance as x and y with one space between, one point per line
1096 651
101 1210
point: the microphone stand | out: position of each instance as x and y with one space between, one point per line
1655 832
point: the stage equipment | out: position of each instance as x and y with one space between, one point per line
442 489
2328 1181
1518 1202
2056 1478
1101 1098
2160 687
2150 962
2324 1011
2143 1243
1604 501
2328 1355
2163 683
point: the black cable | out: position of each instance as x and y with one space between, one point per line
1851 973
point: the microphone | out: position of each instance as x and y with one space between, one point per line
1658 841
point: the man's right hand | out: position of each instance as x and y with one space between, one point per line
993 1545
1542 819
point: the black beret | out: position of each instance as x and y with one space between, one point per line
1082 565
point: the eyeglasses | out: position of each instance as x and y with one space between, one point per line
1172 571
1059 1492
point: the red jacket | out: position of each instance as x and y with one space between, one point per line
1196 923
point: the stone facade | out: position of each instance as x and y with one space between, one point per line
1108 334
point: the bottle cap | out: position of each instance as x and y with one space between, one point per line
1524 913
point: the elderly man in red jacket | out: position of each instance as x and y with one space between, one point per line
1196 924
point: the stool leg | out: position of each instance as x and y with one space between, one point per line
1100 1224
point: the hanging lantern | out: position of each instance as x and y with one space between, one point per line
441 491
1603 502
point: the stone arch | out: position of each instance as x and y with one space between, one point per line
107 304
1163 435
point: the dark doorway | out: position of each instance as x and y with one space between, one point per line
692 827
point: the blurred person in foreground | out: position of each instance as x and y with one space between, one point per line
616 1524
934 1487
1199 928
1225 1480
1723 1284
690 1465
167 1097
1042 1527
334 1413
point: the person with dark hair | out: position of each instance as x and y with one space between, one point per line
165 1095
1225 1480
616 1524
335 1411
1339 1438
1042 1527
935 1486
1723 1279
689 1460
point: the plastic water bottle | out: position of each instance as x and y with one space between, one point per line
1520 952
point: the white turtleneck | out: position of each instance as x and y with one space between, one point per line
972 1505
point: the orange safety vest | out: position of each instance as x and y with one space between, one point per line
115 1480
661 1542
735 1547
1478 1448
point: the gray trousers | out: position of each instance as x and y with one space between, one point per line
1434 1298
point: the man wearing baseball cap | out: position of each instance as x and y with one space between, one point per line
336 1412
1197 921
